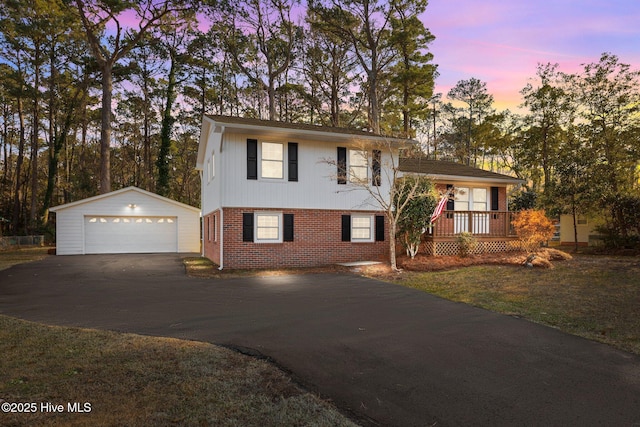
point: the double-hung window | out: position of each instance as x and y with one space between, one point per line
358 166
361 228
272 162
268 227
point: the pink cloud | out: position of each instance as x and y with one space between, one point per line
501 42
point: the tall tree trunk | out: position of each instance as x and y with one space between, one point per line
165 133
53 168
5 143
34 141
105 131
16 197
271 94
374 108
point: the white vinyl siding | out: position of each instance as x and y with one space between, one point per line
315 189
272 161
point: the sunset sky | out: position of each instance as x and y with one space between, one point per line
501 41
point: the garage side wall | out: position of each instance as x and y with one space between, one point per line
69 233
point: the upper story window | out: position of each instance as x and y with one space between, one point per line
353 166
272 162
211 167
358 166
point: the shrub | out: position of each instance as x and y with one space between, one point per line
533 228
466 243
416 196
622 227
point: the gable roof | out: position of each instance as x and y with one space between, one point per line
285 130
121 191
449 171
301 129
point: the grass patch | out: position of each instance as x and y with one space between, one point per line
595 297
145 381
18 256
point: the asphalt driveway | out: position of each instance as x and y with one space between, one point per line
389 355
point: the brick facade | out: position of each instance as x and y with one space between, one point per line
317 240
211 236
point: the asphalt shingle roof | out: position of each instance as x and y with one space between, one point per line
243 121
444 168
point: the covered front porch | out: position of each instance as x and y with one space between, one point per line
493 231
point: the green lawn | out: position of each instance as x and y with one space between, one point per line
597 297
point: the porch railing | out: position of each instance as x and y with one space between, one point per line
479 223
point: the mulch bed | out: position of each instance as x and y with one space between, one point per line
421 262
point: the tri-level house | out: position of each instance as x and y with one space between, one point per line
279 194
477 204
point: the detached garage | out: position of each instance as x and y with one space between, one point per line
129 220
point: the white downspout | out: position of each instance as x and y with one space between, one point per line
201 218
221 234
221 226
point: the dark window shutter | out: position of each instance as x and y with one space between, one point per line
287 235
375 166
252 159
379 228
346 228
247 227
342 165
494 199
450 201
293 161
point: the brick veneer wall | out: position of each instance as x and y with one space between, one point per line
211 237
317 241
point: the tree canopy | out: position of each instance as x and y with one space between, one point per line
99 95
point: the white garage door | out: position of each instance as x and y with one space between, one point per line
113 234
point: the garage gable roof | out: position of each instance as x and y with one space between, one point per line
122 191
